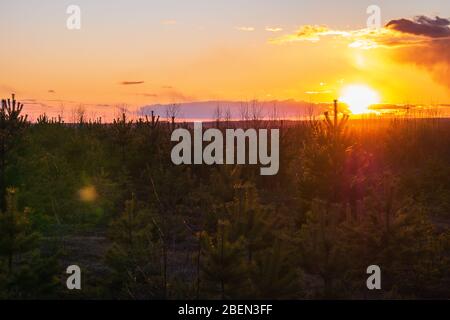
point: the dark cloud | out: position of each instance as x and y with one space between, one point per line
422 26
433 56
432 52
51 91
127 83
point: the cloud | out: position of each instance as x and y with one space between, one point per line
432 51
273 29
422 26
127 83
318 92
433 56
311 33
247 29
366 38
51 91
420 30
422 41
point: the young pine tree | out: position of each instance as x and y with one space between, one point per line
249 220
135 256
24 273
320 250
11 125
223 264
273 275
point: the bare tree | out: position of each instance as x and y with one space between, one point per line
274 115
172 111
243 111
78 114
311 111
227 115
61 112
257 110
257 113
121 110
217 113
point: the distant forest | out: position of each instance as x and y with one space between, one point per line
350 193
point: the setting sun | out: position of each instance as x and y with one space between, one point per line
359 98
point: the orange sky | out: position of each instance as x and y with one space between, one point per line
122 56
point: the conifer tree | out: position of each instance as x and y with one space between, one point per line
249 219
135 255
323 159
24 272
17 236
398 236
222 263
320 250
11 125
273 275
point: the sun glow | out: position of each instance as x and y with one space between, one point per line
359 98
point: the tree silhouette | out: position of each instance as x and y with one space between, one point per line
11 125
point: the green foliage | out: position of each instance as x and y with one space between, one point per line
223 264
320 252
135 255
12 123
400 239
24 272
349 194
273 275
249 220
243 259
17 237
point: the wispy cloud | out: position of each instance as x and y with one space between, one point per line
274 29
311 33
128 83
401 32
422 41
318 92
247 29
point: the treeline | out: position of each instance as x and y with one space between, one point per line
349 194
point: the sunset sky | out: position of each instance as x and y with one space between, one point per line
138 52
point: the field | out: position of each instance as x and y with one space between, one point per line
106 197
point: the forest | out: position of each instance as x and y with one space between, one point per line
349 193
